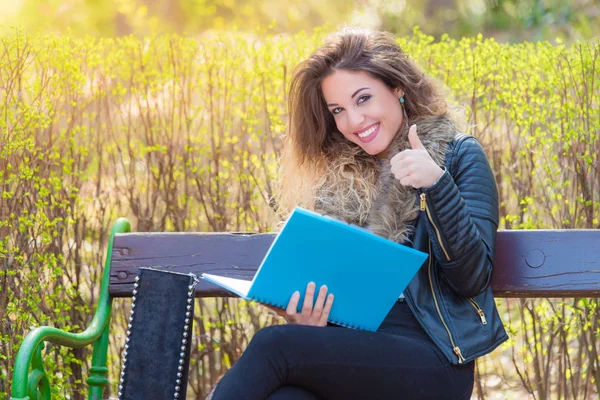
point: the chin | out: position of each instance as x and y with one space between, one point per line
373 152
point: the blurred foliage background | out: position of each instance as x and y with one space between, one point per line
171 113
506 20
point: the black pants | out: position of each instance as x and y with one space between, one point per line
302 362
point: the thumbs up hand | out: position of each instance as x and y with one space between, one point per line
415 167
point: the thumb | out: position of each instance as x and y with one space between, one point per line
414 140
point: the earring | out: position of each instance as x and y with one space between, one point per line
403 108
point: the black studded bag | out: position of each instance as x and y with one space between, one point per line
157 349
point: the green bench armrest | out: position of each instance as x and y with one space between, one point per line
28 386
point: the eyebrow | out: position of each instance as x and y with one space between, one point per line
354 94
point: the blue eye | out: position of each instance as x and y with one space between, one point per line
365 97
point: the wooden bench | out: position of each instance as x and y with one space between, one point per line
529 263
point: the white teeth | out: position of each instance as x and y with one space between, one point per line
368 131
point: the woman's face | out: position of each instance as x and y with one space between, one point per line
366 111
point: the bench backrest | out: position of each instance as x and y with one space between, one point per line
529 263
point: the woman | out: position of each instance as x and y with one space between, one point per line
372 141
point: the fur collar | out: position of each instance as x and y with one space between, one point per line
360 189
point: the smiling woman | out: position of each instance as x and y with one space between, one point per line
369 116
372 142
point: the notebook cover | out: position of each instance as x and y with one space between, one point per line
365 272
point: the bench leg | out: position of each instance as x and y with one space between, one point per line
98 378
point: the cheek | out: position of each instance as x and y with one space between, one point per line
340 123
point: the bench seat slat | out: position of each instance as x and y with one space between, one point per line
529 263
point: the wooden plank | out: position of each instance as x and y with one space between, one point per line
547 263
529 263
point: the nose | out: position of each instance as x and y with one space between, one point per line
355 120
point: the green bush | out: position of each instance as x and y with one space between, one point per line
183 135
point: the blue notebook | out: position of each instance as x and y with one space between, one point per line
365 272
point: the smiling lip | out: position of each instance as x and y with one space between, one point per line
366 139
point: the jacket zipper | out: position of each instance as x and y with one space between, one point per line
455 348
479 310
437 232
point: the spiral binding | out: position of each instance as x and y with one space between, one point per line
335 321
348 325
268 302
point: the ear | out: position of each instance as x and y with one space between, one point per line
398 92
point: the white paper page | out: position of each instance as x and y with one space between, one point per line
237 286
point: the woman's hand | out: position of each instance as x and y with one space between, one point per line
314 316
415 167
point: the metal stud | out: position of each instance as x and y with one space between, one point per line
137 278
186 329
135 292
133 298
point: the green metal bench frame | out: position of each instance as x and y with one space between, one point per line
34 385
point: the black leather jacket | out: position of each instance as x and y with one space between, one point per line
450 295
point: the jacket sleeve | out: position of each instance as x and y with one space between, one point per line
462 211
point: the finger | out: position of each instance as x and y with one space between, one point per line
402 173
318 308
326 310
292 308
414 140
308 299
405 163
399 156
407 181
